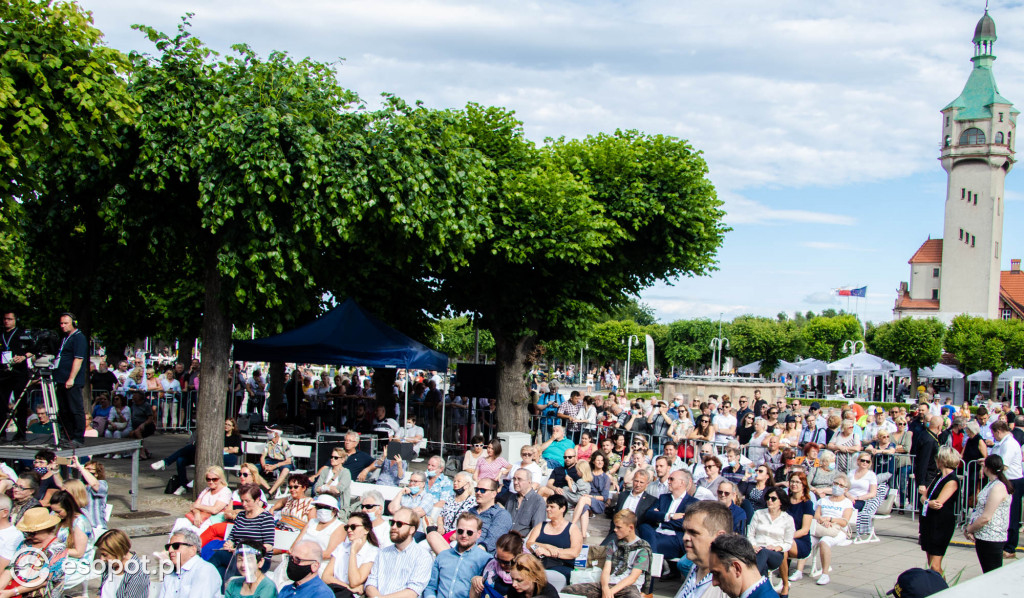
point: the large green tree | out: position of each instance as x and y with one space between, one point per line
63 102
824 337
266 169
911 343
770 341
573 228
689 342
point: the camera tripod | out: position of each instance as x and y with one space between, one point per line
44 381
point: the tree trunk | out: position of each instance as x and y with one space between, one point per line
512 356
185 347
275 391
213 375
913 385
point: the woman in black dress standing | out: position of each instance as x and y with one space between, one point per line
974 449
938 519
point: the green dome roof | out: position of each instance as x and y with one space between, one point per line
985 30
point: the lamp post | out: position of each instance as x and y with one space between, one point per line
586 345
717 344
851 347
629 352
716 348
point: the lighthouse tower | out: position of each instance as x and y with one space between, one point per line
978 133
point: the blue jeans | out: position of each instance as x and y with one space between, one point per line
182 458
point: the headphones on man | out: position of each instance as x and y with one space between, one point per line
74 320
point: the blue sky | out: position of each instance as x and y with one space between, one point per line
819 119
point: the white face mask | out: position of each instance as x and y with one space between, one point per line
325 515
408 426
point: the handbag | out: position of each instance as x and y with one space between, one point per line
172 484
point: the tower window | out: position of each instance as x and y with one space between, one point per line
947 121
997 250
972 136
972 240
949 141
1009 137
1000 117
961 234
935 272
963 193
935 293
1007 314
999 137
975 199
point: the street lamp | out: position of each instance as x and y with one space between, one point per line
629 352
586 345
716 347
850 347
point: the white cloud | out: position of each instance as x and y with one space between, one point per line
829 245
821 298
740 210
669 309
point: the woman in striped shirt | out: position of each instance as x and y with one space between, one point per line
125 575
253 524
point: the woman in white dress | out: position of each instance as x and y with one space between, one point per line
352 560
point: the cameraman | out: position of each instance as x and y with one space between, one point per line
69 374
16 344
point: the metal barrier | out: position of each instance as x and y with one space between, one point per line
969 477
900 468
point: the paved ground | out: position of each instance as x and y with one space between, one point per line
867 570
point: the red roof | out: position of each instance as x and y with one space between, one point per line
903 301
930 252
1011 289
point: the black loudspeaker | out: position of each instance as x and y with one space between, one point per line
476 380
325 443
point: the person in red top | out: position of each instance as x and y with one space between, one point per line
954 436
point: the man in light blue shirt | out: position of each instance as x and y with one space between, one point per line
192 576
401 570
455 568
439 487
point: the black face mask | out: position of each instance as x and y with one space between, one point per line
297 572
459 491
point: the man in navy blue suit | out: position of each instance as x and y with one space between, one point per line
663 523
733 566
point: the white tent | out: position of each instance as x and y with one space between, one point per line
863 363
811 367
986 376
784 367
940 371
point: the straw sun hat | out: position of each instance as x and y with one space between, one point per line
37 519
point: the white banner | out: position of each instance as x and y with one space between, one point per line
650 358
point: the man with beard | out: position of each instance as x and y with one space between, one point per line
405 565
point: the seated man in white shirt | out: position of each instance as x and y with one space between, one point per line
191 575
413 434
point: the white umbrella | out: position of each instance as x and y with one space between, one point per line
784 367
811 367
863 363
1011 374
980 376
940 371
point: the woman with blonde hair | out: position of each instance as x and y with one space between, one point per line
938 500
529 580
120 578
212 500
